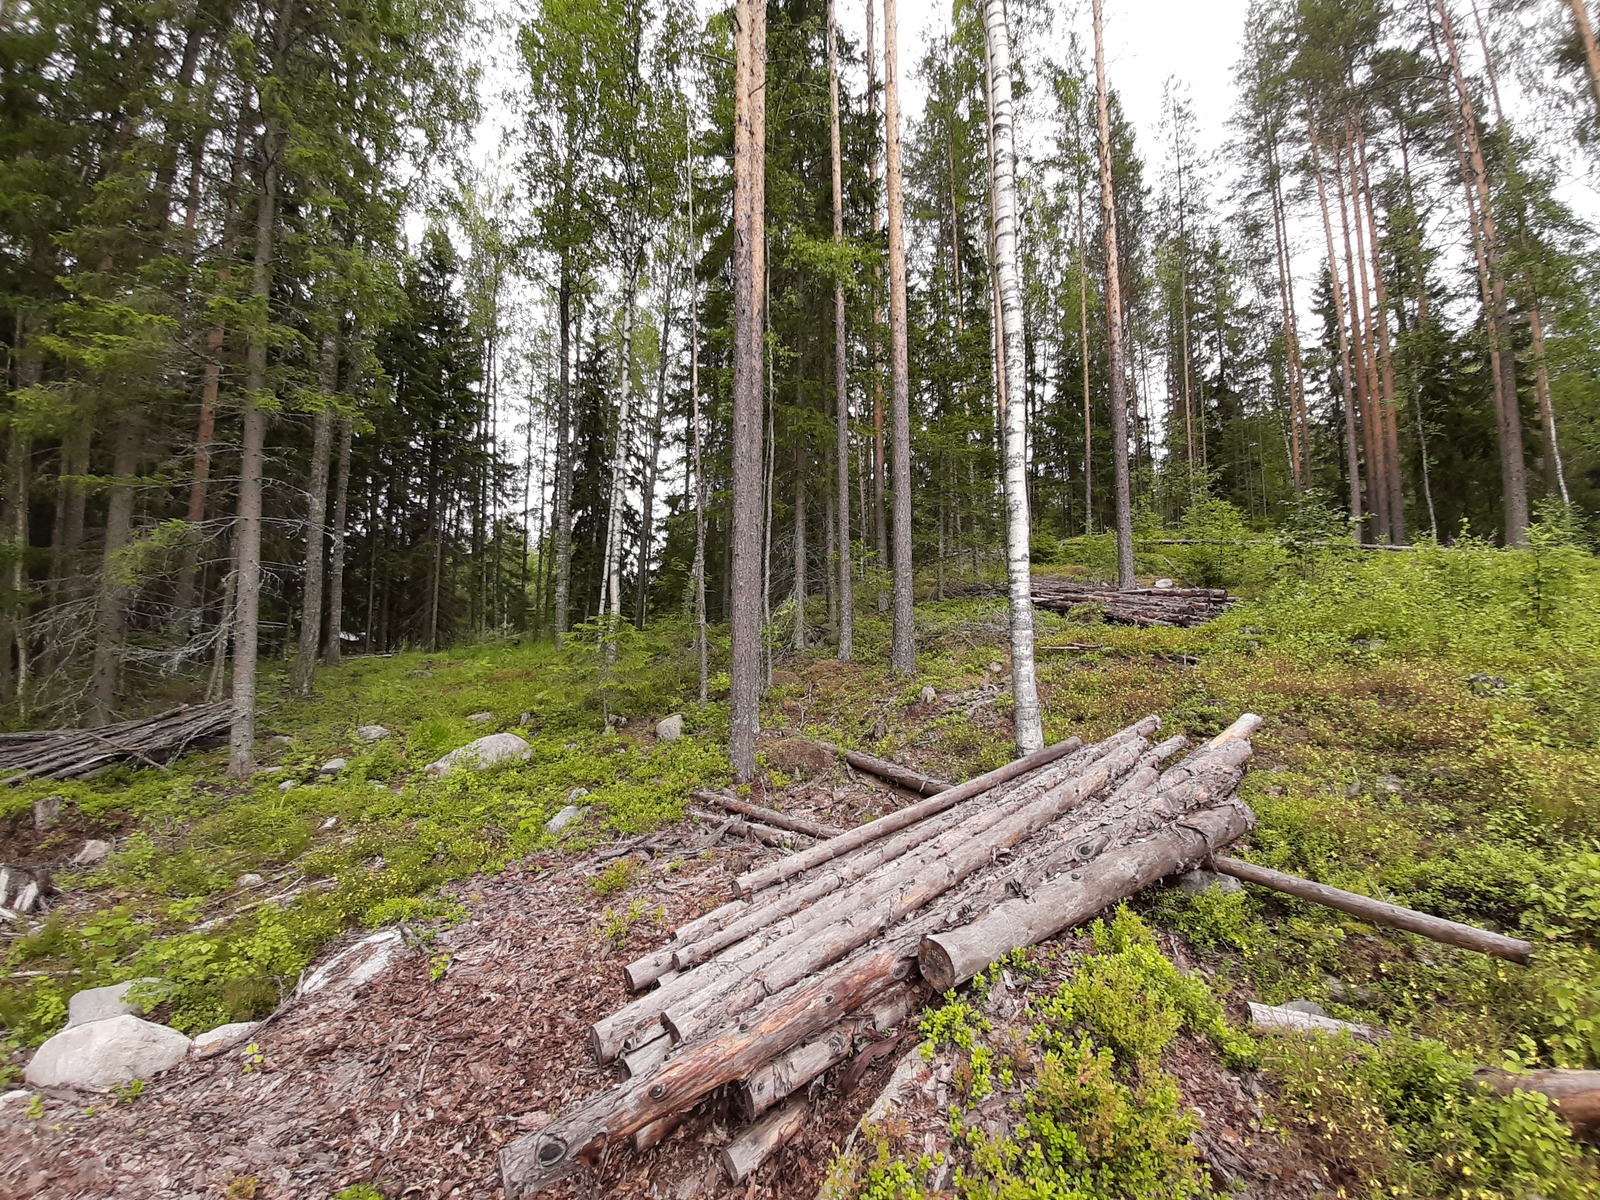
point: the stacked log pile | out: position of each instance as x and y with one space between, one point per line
1184 607
821 948
82 753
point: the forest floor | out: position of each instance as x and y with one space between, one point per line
1432 736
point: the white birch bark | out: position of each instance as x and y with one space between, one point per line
1024 691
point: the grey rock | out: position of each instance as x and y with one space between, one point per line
355 965
1162 583
670 729
102 1054
280 739
995 668
251 879
15 1096
569 815
1391 783
1310 1007
93 853
328 824
334 765
102 1003
576 794
1200 881
481 718
288 784
223 1038
525 719
27 899
485 752
419 674
46 812
371 733
927 695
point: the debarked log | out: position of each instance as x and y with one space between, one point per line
955 956
769 816
745 1154
914 781
1379 912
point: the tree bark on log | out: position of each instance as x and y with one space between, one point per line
770 816
914 781
788 868
794 1069
951 958
1380 912
1575 1095
745 1154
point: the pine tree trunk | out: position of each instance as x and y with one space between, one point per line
1508 418
1388 427
563 498
305 662
333 643
902 645
14 683
1366 387
799 594
1083 347
880 523
701 649
1024 690
843 598
1116 370
749 274
1591 50
1347 391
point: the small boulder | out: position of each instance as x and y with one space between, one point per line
1200 881
102 1003
485 752
481 718
46 812
334 765
280 739
354 965
569 815
418 674
371 733
287 785
1309 1007
18 1095
995 668
102 1054
93 853
576 794
249 880
525 719
328 824
927 695
670 729
1162 583
222 1038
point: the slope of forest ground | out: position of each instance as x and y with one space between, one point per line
1432 736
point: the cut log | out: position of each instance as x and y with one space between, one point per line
914 781
656 1132
769 816
955 956
1379 912
1575 1095
788 868
742 1156
1276 1018
794 1069
646 1058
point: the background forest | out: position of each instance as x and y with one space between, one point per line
286 373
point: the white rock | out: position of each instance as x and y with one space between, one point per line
46 812
995 668
280 739
1162 583
567 816
334 765
927 695
485 752
94 851
525 719
354 965
16 1095
102 1003
1306 1006
249 879
576 794
102 1054
481 718
328 824
223 1037
372 733
670 729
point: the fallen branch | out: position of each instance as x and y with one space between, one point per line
915 781
1379 912
769 816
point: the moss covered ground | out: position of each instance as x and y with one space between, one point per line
1432 736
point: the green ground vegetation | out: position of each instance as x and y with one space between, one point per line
1432 736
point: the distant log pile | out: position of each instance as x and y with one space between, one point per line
821 948
81 753
1183 607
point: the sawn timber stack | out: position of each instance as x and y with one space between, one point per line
821 948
